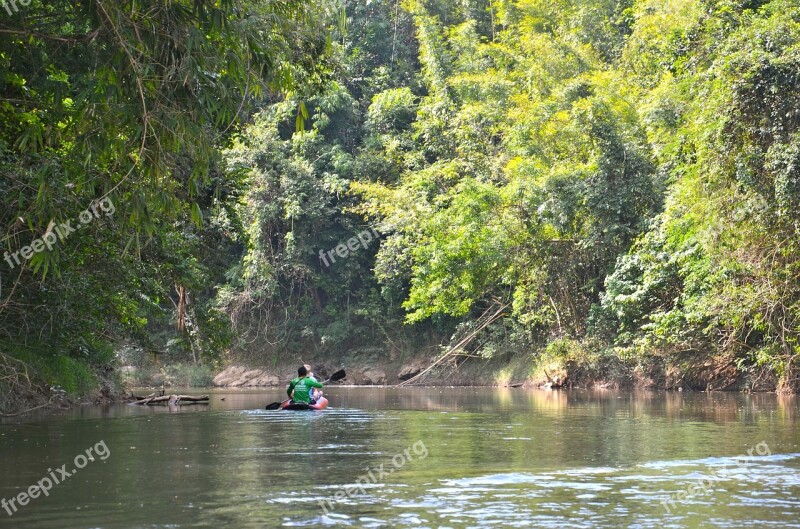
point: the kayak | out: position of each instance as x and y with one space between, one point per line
321 404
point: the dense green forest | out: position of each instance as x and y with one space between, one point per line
248 180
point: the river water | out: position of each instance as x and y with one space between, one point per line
416 457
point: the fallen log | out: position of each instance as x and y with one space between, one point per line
172 400
135 397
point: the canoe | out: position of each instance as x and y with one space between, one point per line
321 404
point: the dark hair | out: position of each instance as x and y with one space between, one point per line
301 371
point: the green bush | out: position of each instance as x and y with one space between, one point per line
559 355
73 376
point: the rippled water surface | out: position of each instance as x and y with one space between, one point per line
414 458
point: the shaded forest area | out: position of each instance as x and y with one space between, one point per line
622 176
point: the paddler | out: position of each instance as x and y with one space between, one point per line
299 389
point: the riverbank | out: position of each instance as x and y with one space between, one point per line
25 390
563 364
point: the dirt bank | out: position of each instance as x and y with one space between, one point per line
565 371
24 394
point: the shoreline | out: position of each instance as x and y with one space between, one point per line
514 372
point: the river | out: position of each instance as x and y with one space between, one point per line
415 457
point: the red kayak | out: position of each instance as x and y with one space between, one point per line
321 404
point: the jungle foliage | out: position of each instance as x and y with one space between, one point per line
126 102
623 174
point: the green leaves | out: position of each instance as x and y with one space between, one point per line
715 274
302 116
391 110
132 100
461 253
627 166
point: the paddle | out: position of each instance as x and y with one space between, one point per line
339 375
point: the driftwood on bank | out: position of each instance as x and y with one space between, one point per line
557 382
170 400
484 321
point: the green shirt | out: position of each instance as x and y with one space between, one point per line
301 387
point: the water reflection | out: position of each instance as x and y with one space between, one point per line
497 457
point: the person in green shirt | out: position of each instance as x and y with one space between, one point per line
300 387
